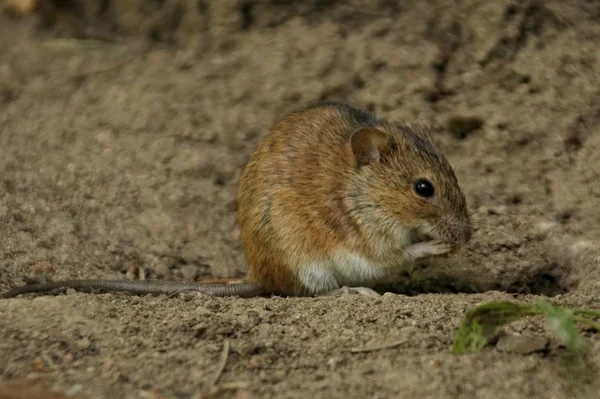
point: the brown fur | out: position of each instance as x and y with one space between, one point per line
312 187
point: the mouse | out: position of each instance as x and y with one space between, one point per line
333 200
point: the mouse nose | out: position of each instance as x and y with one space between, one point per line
457 231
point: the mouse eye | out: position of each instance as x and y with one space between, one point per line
424 188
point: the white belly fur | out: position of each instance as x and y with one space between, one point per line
343 269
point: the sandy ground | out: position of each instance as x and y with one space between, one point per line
124 158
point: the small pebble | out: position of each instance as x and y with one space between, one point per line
104 137
522 344
542 229
83 343
583 246
74 390
410 330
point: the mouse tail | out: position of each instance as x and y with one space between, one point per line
142 287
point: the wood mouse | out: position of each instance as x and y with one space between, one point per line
333 200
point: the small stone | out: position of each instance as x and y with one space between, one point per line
522 344
202 311
200 330
83 343
74 390
543 228
582 247
498 210
278 375
225 331
104 137
410 330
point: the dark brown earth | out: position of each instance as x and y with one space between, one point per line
124 157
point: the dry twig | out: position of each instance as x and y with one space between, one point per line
223 363
378 347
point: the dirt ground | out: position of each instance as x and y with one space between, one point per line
122 159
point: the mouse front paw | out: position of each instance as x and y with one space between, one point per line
428 249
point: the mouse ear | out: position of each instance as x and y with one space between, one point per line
369 145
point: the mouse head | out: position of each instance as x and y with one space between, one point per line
405 187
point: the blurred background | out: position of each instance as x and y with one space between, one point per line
125 124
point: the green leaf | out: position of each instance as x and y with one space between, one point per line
480 323
562 322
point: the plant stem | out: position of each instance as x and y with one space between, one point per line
586 312
583 320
